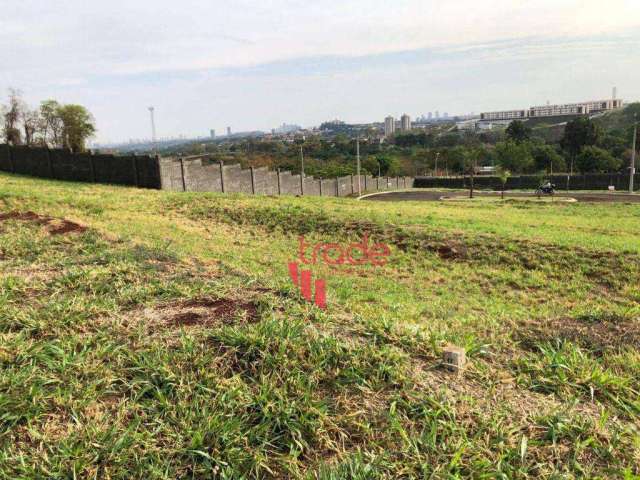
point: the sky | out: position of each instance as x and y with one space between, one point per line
254 64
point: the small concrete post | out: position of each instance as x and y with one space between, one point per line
337 186
253 181
454 358
352 189
320 186
221 176
184 183
278 176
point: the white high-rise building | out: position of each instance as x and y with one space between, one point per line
405 123
389 126
212 134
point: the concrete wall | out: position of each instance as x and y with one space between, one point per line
141 171
200 175
184 174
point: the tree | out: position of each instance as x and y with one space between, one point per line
518 132
52 125
77 126
515 157
595 159
12 115
31 124
578 133
503 175
545 157
389 166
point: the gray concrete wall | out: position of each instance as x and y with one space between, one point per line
194 174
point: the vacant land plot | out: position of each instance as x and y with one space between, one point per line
148 334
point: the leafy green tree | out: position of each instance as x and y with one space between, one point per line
546 157
515 157
503 175
518 132
77 126
579 133
457 158
595 159
389 166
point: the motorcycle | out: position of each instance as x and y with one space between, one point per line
547 189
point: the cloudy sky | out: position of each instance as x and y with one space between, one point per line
253 64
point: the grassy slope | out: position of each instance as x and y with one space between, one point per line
101 379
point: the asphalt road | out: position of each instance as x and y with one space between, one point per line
433 195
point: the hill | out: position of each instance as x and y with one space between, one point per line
150 334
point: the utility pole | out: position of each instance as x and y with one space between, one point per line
153 131
358 164
301 162
632 167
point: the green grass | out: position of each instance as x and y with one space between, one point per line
117 362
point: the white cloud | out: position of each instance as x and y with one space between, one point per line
77 49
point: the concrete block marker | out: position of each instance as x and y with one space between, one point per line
454 358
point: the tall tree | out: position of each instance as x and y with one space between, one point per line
515 157
52 125
594 159
12 115
77 126
578 133
31 124
518 132
547 158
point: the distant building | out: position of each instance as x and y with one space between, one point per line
583 108
405 123
430 115
284 129
504 115
389 126
212 134
437 114
228 131
445 115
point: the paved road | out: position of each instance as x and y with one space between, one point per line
432 195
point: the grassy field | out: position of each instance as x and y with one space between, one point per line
157 335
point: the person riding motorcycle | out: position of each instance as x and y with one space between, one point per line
547 187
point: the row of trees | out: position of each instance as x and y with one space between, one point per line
53 124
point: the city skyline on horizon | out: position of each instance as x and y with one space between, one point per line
253 67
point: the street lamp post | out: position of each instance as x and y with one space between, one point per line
358 164
632 166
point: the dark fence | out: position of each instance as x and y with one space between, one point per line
60 164
589 181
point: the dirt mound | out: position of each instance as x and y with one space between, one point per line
206 311
54 226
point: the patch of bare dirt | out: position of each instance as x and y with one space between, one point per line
206 311
596 334
55 226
